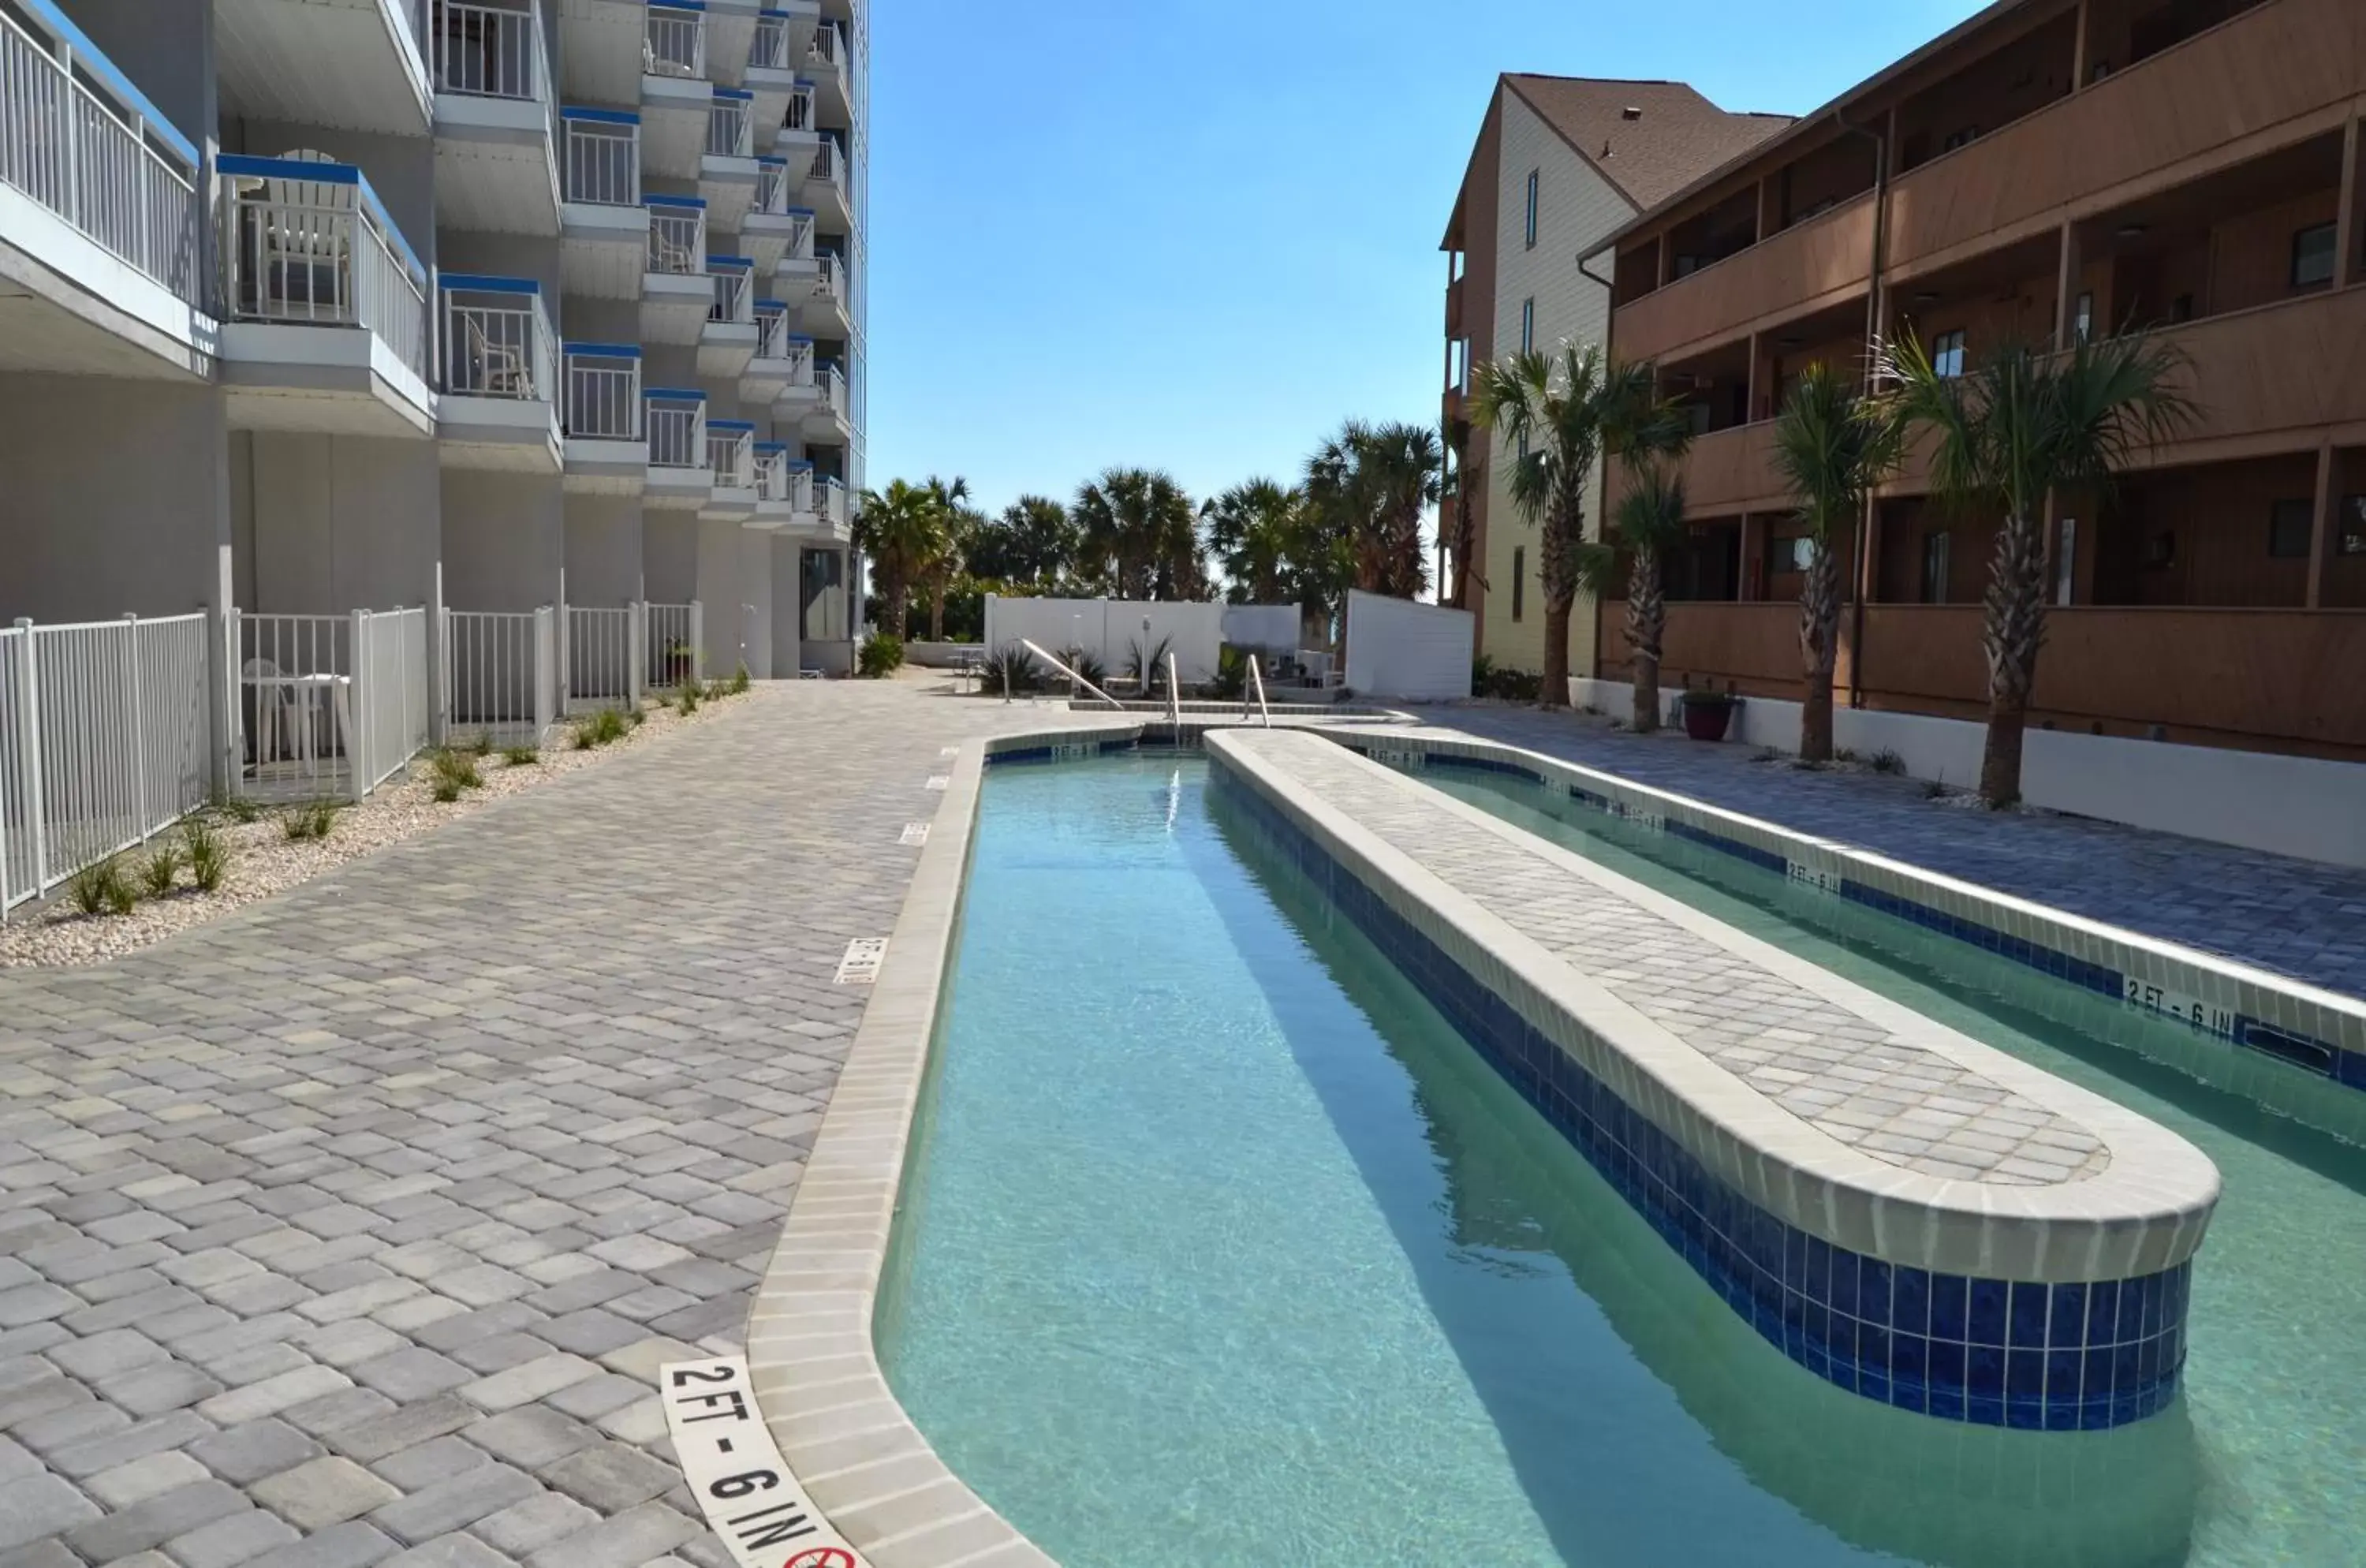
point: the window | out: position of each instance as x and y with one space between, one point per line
2066 560
1789 555
1532 209
1458 363
2290 525
2312 256
1947 353
1519 580
1936 549
2353 526
2082 319
1527 325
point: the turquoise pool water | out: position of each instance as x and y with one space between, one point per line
1220 1248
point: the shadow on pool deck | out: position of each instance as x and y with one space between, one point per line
2290 917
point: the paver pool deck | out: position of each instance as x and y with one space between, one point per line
356 1223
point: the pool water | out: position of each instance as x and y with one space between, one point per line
1219 1246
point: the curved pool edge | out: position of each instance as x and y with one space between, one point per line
811 1357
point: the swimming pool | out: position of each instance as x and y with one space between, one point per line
1219 1246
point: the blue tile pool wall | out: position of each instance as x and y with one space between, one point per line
2312 1054
1993 1352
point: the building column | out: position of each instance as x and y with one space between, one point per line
2066 287
1753 556
1758 384
1667 257
2328 497
2345 233
2078 48
1768 216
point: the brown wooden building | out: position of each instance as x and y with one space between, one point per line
2047 168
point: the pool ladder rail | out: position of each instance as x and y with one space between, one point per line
1064 669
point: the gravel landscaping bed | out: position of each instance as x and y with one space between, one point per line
263 859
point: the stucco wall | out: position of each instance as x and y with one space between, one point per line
669 557
113 497
504 540
788 602
338 523
604 549
723 590
167 50
1575 209
755 577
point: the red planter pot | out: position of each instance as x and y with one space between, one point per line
1707 720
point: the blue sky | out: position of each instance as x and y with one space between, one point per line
1193 236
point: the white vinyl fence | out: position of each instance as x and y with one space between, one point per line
329 707
1399 649
103 742
501 674
603 658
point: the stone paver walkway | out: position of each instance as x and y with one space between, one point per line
353 1228
1849 1073
2290 917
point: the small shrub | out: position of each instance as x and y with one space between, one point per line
1887 762
1088 665
206 859
1843 754
521 757
238 809
1010 670
457 769
718 690
1231 681
599 729
634 719
483 744
1935 790
159 869
103 889
739 680
882 656
446 792
1766 755
311 820
1512 685
689 698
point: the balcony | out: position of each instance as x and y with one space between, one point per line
676 294
606 430
353 65
768 371
781 40
773 228
678 476
727 171
499 405
780 483
329 326
496 170
825 184
1811 266
102 193
824 308
731 27
826 67
604 229
675 95
731 468
827 520
825 415
727 340
798 388
2273 72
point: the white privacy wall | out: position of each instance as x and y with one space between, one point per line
1398 648
1109 628
2303 807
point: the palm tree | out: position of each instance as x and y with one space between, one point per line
899 531
1138 528
1370 485
2020 426
1458 522
956 526
1831 448
1563 415
1255 531
1036 544
1648 522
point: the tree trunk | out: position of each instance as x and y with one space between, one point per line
1554 693
899 606
1819 621
2014 631
937 611
1647 617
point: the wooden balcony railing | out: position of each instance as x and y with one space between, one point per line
1815 262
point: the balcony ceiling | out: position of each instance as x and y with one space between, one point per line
602 250
494 182
47 327
345 65
600 48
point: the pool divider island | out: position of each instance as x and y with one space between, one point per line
1907 1212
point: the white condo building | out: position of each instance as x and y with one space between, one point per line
379 338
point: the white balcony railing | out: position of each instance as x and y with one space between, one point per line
677 428
603 157
800 115
604 391
771 329
829 499
772 186
801 486
832 382
827 50
798 350
306 242
771 471
829 165
731 453
497 339
735 292
76 137
829 282
677 234
731 125
675 43
768 50
489 51
801 237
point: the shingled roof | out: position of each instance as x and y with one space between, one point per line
1650 139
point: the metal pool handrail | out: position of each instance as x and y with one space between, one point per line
1174 700
1064 669
1257 687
